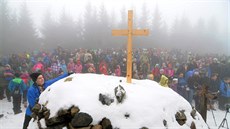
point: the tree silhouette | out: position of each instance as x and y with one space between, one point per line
90 27
27 40
67 31
49 31
4 27
156 28
104 31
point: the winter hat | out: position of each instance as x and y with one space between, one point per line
34 76
17 74
7 65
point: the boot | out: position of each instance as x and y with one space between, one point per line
17 112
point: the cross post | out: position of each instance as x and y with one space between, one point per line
130 32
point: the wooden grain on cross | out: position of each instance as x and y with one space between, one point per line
129 32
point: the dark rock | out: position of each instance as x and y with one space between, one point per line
46 114
89 127
193 113
144 128
55 121
105 99
120 93
127 115
68 79
74 110
106 124
36 108
180 117
97 127
165 123
56 127
81 120
193 126
62 112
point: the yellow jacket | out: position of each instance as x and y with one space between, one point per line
164 81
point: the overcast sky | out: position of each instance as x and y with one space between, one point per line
170 9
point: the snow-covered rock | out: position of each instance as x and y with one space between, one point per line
147 104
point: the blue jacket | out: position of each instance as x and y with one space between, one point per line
224 89
181 82
17 82
34 92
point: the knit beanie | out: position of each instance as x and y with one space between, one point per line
34 76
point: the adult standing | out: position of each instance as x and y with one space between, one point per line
8 76
224 97
213 89
16 88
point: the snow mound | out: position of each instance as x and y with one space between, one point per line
146 103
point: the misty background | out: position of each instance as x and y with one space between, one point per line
191 25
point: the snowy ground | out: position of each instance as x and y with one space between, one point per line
11 121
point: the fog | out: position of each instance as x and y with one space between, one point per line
191 25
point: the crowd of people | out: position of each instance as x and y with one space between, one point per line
187 73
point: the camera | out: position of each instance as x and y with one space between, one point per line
227 107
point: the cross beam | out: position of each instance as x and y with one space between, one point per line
130 32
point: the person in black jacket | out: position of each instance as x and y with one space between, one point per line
213 89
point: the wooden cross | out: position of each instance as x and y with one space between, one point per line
129 32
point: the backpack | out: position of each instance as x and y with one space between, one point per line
16 90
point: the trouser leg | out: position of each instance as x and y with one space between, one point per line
8 95
1 92
26 121
17 103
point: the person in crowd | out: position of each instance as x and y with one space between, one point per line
117 71
123 67
34 92
174 84
26 79
87 56
224 97
3 82
170 71
193 80
182 69
78 67
156 72
215 66
24 67
164 81
90 68
8 75
71 65
38 66
213 88
182 84
55 68
63 66
103 68
150 76
17 87
201 95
